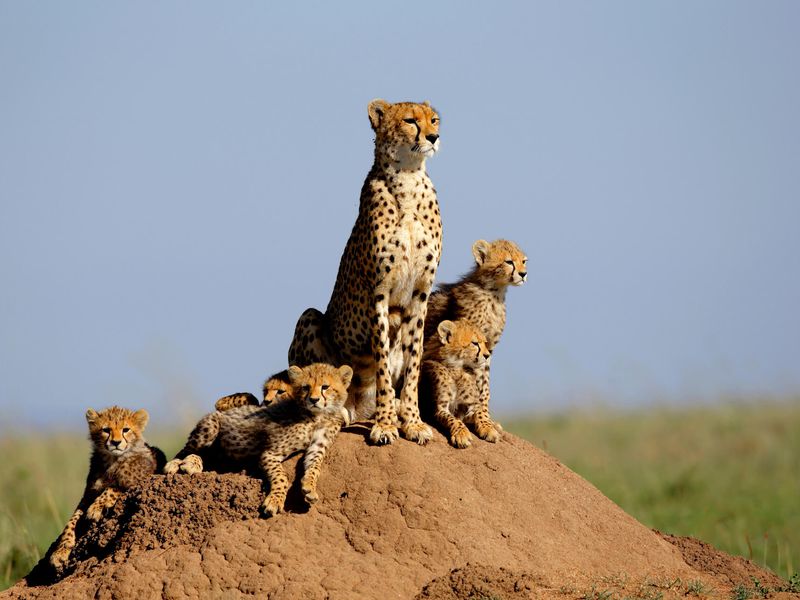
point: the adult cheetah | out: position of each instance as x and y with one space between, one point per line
376 315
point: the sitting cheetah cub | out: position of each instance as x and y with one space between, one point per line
277 387
121 459
448 373
308 421
480 297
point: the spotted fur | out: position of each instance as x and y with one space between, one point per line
121 459
376 314
480 298
449 378
308 421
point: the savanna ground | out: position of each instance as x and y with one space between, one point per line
728 474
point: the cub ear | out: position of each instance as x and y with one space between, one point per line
346 373
91 416
480 250
375 110
141 418
294 373
446 329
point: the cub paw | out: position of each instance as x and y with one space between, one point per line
192 464
311 496
417 432
59 558
461 437
95 512
383 434
271 506
172 466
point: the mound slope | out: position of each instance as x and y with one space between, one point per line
393 522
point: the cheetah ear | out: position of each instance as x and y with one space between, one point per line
91 416
480 250
294 373
375 110
141 418
445 330
346 373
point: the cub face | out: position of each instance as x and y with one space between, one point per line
462 344
405 127
115 430
320 387
276 388
502 260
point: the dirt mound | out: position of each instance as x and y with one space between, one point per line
503 520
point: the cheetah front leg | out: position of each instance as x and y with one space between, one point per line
484 426
444 392
411 331
103 502
66 542
202 436
272 466
384 431
315 454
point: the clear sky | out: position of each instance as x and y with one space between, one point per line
178 180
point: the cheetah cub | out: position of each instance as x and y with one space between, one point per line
448 374
121 459
480 297
308 421
276 387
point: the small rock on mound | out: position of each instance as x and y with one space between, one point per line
392 522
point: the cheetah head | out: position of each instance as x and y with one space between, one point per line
462 344
116 430
501 261
405 131
276 388
320 387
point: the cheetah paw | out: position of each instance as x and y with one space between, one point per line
192 464
95 512
418 432
383 434
59 558
311 496
461 437
488 432
271 506
172 466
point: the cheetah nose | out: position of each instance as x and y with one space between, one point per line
313 400
486 356
116 442
523 274
432 137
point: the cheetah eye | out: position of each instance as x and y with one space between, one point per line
106 429
126 429
476 344
279 392
510 262
411 121
434 121
306 388
325 387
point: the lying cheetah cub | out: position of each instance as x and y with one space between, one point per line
121 459
448 374
480 297
277 387
308 421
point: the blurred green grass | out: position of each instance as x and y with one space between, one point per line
727 474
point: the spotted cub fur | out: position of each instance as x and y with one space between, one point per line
121 459
277 387
376 313
308 421
448 375
480 297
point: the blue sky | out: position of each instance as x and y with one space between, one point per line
178 180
